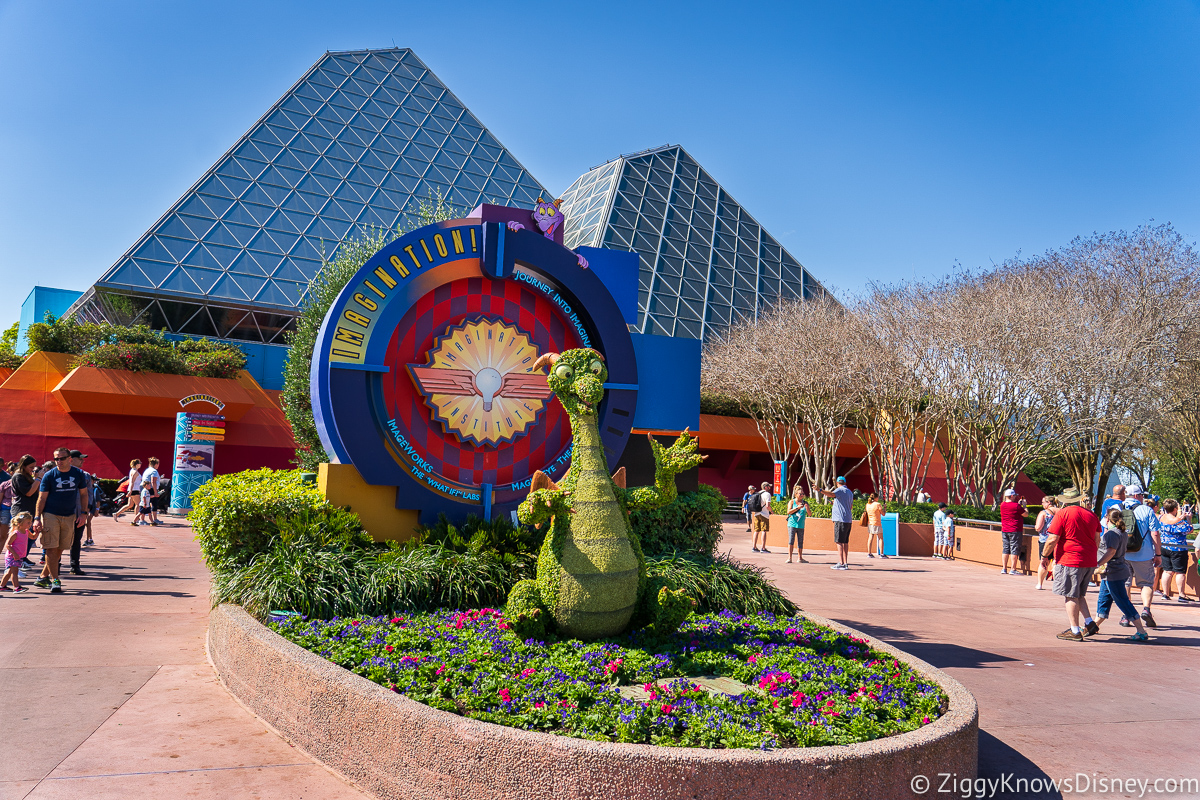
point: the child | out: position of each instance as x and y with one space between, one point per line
144 503
14 551
948 535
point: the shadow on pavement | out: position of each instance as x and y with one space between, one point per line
997 759
940 654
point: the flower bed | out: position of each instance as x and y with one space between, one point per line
792 683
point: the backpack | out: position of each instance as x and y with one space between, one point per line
755 503
1132 529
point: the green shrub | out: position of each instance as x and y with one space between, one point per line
689 524
10 360
217 363
235 517
211 360
512 544
720 583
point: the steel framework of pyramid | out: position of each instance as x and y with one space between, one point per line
705 262
360 140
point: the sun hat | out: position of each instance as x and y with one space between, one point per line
1072 497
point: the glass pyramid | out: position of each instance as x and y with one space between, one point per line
359 140
705 262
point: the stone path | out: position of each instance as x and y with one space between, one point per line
108 692
1047 707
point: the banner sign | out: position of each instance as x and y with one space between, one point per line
195 435
780 479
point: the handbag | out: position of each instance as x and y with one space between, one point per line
864 521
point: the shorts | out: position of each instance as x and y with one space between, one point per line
761 524
875 530
11 562
5 515
1012 542
1143 572
1175 560
796 537
58 533
941 538
841 532
1072 581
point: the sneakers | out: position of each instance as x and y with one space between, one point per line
764 550
870 555
1003 572
839 566
1070 636
1125 623
42 583
77 571
55 586
1140 636
1091 629
89 542
881 555
1148 618
755 549
22 590
27 562
1182 599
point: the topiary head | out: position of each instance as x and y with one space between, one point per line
577 377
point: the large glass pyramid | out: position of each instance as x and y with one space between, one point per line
705 262
360 140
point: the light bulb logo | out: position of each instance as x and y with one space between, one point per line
487 382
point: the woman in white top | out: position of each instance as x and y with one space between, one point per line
133 494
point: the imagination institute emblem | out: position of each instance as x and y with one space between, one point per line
479 381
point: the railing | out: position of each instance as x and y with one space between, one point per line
986 523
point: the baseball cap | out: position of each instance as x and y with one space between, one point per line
1010 492
1134 488
77 454
841 480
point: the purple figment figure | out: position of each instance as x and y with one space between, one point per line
548 217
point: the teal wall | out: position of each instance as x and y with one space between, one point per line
40 300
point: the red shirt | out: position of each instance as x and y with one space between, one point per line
1077 530
1012 517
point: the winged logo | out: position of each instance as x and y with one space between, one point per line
480 383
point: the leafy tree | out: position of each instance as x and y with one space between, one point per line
1050 474
323 289
8 339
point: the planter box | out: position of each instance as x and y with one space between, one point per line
393 747
147 394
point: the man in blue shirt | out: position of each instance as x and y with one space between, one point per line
1145 560
843 516
1118 497
63 493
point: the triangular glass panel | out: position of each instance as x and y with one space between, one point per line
225 287
178 281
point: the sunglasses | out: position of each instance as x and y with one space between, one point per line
62 458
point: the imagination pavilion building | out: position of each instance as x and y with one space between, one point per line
362 139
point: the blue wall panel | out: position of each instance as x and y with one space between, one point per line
668 383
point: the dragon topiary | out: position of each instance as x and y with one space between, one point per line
591 574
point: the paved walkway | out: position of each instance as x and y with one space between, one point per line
1048 708
108 693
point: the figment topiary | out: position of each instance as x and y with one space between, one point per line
591 575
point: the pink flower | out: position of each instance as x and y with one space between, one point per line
667 709
753 659
797 699
612 666
355 623
527 673
505 696
396 620
388 648
440 670
925 720
539 704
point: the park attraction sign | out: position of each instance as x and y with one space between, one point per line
423 375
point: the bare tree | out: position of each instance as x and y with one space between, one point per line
1119 305
796 372
901 410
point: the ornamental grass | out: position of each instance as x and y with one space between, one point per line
792 683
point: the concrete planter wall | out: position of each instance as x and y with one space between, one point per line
397 748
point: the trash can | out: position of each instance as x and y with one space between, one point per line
891 534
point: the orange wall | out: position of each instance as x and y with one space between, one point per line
34 421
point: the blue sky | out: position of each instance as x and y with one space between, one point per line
877 141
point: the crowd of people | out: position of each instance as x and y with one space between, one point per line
1138 544
52 505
